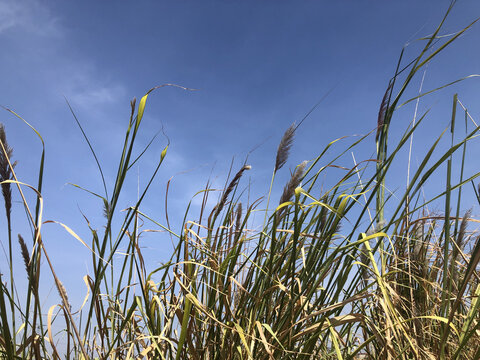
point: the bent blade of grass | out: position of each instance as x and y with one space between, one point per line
333 336
443 46
74 234
264 340
244 339
437 89
49 330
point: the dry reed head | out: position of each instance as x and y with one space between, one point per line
284 147
5 169
238 222
460 242
218 208
289 189
365 260
463 229
63 293
293 183
25 254
106 208
383 109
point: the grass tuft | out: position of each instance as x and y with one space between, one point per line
343 270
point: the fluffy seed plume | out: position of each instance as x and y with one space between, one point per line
218 208
289 189
63 293
461 234
106 208
25 254
5 169
238 222
284 147
365 260
293 183
383 109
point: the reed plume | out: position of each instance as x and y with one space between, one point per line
219 207
25 254
383 109
238 222
460 242
365 260
290 187
463 228
6 169
106 209
63 293
284 147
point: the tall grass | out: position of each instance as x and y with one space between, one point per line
348 272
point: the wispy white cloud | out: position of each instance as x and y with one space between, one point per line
45 54
30 16
96 95
83 88
10 13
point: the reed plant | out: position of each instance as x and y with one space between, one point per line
344 272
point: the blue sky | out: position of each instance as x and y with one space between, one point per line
258 66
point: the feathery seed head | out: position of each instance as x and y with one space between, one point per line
365 260
25 254
6 169
284 147
290 189
383 109
238 222
461 234
293 183
63 293
218 208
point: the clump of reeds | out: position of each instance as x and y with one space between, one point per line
288 289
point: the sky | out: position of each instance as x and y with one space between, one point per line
257 66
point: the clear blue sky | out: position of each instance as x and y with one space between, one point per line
258 65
